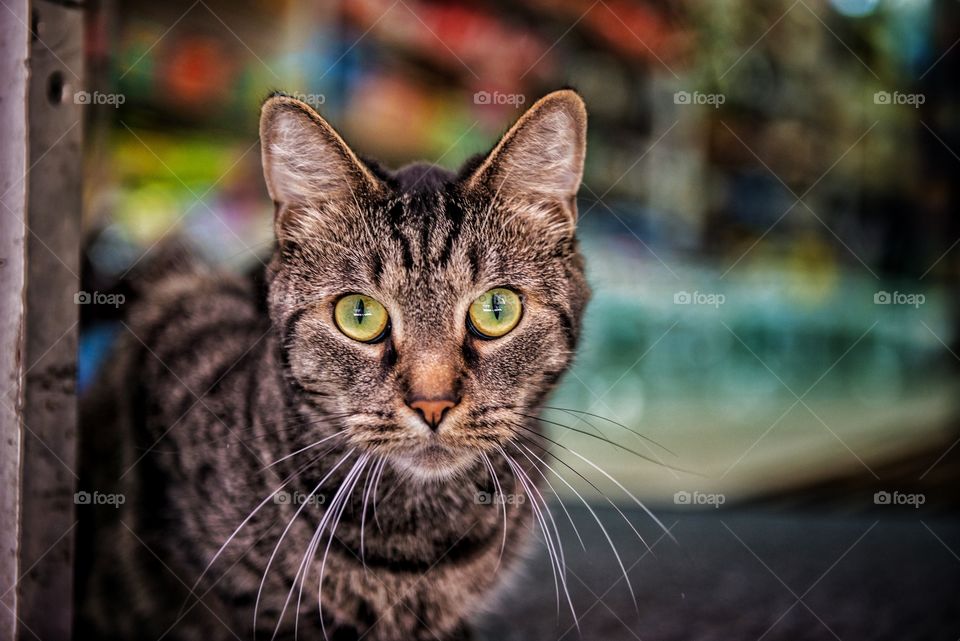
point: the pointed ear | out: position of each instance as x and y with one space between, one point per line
305 162
539 162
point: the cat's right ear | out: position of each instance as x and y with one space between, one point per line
306 164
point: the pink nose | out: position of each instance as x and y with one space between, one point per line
432 411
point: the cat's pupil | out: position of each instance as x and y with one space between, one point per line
358 311
497 305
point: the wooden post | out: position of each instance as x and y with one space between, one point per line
14 43
49 416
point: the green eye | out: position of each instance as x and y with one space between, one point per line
361 318
495 313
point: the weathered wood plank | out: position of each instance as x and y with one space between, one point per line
14 47
53 244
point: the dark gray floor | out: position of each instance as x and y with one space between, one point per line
738 576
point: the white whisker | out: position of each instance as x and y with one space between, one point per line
591 484
333 529
230 538
606 535
625 491
283 535
367 487
303 567
496 485
559 500
554 547
376 483
304 449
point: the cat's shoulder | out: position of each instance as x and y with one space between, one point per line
178 294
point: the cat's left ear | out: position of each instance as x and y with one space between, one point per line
538 164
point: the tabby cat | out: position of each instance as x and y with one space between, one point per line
331 449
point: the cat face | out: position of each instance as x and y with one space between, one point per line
426 314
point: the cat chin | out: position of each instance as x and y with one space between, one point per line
433 464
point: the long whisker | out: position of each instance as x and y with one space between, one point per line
367 487
609 442
304 449
283 535
559 500
235 432
530 485
557 545
306 557
546 533
376 483
646 438
624 490
585 479
331 518
198 598
596 518
223 547
333 531
308 554
496 485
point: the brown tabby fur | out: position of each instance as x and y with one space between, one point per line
217 377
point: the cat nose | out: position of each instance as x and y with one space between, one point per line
432 410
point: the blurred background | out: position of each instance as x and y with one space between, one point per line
768 211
